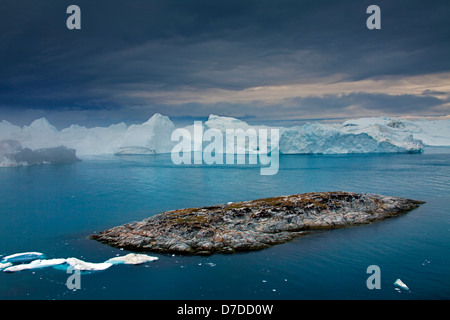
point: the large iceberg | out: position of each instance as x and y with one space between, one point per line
430 132
366 135
339 139
12 154
330 138
152 136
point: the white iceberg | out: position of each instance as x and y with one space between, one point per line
430 132
33 260
369 136
81 265
132 258
249 147
22 257
35 264
399 283
12 154
153 134
10 146
9 130
93 141
336 139
366 135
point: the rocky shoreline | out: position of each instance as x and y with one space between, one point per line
252 225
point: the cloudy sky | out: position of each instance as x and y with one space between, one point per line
264 61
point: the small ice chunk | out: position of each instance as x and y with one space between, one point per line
81 265
36 264
131 258
22 257
400 284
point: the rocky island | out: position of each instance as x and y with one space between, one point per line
252 225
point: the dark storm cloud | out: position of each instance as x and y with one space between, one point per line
167 46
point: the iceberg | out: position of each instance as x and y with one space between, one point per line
132 258
336 139
34 260
331 138
81 265
12 154
22 257
365 135
35 264
154 134
7 129
93 141
430 132
223 124
399 283
10 146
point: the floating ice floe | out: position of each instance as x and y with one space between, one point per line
36 264
81 265
399 283
34 260
22 257
132 258
5 265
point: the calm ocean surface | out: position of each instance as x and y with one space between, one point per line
53 209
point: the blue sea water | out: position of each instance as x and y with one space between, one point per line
54 208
